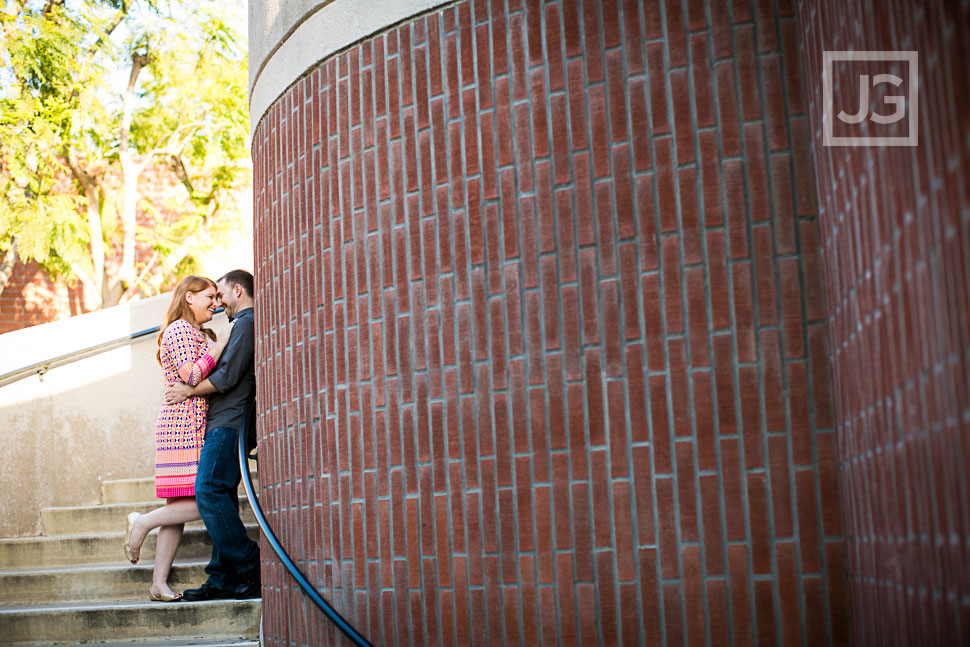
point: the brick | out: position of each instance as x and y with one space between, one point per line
665 179
737 220
553 50
811 269
594 399
765 276
792 71
757 175
771 375
676 35
727 101
747 70
764 612
805 200
697 317
667 528
589 296
623 193
808 528
613 334
580 522
713 538
765 22
647 223
774 97
578 123
673 301
606 232
712 205
679 389
724 384
701 72
660 424
684 131
673 617
690 220
585 216
656 74
567 236
818 370
758 522
693 594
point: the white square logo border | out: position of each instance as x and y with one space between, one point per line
831 56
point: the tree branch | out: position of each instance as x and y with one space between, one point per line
89 183
87 281
133 288
6 265
138 61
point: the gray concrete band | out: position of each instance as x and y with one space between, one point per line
289 37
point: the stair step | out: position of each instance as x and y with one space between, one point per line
104 583
140 489
107 518
104 548
77 623
180 642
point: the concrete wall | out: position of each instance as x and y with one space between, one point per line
83 423
541 339
287 39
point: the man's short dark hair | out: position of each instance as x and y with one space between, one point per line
241 278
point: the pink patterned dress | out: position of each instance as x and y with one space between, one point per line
180 430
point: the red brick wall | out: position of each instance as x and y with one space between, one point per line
896 245
541 341
32 298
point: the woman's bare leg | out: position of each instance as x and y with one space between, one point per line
171 519
176 511
169 537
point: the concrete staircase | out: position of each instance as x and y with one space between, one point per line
74 586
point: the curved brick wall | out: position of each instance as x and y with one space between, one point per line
541 341
896 249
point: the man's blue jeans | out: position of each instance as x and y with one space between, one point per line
234 554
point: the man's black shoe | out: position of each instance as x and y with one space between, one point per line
208 592
251 586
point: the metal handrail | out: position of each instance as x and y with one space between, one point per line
39 368
311 592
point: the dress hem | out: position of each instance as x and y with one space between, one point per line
170 492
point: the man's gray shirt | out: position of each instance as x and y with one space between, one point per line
234 375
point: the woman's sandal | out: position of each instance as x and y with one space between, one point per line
163 597
132 555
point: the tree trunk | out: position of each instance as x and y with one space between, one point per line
130 170
93 197
6 265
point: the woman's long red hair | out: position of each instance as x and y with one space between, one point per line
179 308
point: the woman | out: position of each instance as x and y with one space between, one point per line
186 353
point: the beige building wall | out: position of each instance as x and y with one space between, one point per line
83 423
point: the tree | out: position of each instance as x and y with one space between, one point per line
96 93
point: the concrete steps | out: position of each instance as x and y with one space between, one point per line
111 517
142 489
73 585
67 550
90 622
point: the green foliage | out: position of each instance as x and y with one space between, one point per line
64 72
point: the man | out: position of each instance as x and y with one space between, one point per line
233 570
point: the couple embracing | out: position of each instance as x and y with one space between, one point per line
210 383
